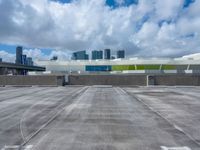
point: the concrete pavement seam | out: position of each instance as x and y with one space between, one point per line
47 123
160 115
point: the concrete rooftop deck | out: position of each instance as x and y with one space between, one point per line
100 118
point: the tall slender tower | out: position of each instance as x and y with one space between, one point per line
19 51
107 54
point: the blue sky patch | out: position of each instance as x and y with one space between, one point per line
114 4
160 23
142 21
191 35
63 1
187 3
8 48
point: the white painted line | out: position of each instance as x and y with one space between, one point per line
165 118
32 106
28 147
68 110
16 147
178 128
175 148
53 117
10 147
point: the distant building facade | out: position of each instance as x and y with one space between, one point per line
0 59
97 54
24 62
54 58
131 65
19 52
29 61
107 54
120 54
112 57
22 59
80 55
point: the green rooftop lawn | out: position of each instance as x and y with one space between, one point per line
148 67
123 67
168 67
142 67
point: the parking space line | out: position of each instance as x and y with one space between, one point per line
175 148
160 115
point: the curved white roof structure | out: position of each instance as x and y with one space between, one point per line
183 63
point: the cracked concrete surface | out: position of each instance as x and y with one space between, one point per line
100 118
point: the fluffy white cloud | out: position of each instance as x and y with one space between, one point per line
168 9
61 55
7 57
149 28
36 54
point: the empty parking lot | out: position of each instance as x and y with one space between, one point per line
100 118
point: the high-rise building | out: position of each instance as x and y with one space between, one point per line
19 50
29 61
121 54
107 54
112 57
54 58
97 54
80 55
94 55
24 61
86 57
0 59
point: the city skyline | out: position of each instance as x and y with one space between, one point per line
37 54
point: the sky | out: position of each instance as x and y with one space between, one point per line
143 28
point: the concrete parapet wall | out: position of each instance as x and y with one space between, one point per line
139 80
173 80
115 79
32 80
